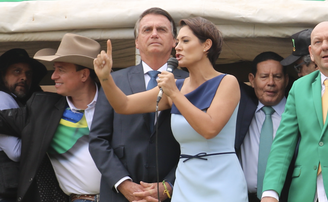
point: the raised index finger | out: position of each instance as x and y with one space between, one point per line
109 48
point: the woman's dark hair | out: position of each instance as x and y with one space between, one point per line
204 29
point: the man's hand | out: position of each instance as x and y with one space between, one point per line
104 62
269 199
150 192
127 188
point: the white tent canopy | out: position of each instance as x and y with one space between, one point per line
248 26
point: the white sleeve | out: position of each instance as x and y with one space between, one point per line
270 193
120 182
9 144
7 101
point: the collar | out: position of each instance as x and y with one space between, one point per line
279 108
91 104
323 78
146 67
12 94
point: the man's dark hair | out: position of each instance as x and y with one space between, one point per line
269 55
93 74
155 11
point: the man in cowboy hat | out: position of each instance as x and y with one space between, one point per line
19 78
56 125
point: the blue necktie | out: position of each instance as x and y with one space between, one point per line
152 84
266 138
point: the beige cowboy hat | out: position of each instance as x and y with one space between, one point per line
74 49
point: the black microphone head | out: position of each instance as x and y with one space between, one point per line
172 63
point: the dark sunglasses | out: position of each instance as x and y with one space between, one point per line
299 67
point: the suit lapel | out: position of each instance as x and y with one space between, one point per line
247 107
316 94
55 116
136 80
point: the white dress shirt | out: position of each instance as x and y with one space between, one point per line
75 170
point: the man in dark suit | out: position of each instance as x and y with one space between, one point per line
268 81
55 126
123 146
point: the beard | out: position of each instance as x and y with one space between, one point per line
19 89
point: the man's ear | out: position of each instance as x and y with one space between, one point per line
136 43
287 80
85 74
251 78
311 56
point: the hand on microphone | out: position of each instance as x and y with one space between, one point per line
172 63
166 83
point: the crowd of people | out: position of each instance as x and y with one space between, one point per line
108 136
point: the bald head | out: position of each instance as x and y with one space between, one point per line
319 47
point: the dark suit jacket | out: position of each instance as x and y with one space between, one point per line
122 145
36 124
247 107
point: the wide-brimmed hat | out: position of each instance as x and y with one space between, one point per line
74 49
300 41
19 55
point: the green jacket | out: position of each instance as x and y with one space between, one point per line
302 117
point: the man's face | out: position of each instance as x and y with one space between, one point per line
304 69
319 47
68 81
269 83
18 79
155 36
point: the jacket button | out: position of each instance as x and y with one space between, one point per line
314 167
31 179
19 198
320 144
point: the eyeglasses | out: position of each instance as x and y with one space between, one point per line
298 67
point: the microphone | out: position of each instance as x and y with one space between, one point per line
172 63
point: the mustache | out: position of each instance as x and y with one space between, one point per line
22 83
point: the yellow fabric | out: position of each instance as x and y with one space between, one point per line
324 109
165 190
325 101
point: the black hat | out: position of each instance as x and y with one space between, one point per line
18 55
300 41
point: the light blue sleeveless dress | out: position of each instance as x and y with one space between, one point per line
208 170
